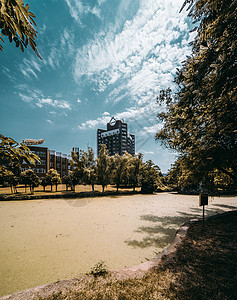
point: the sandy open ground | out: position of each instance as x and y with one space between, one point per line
43 241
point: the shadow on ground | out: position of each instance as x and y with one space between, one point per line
160 231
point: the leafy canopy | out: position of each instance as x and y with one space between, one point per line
16 22
200 121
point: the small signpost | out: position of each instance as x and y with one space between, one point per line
203 200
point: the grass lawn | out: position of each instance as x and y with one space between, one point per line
61 189
204 267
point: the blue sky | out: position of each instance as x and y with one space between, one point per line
101 58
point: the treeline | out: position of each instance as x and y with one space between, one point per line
126 170
200 119
121 171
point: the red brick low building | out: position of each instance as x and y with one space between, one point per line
49 159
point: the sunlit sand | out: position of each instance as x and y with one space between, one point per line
43 241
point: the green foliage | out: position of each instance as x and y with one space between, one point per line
53 178
120 169
135 167
200 121
12 155
103 167
8 178
28 177
150 175
67 179
89 167
16 22
44 182
100 269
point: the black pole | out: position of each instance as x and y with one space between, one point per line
203 216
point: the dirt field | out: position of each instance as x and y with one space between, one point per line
42 241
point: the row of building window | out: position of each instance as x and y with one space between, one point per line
42 171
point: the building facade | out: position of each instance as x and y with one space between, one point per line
116 138
49 159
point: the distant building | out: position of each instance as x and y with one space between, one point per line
116 138
49 159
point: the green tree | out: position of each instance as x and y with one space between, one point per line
77 167
44 182
200 120
67 179
12 155
150 175
120 169
135 168
103 167
28 177
53 178
16 22
89 167
8 177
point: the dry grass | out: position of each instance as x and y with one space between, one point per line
60 190
204 267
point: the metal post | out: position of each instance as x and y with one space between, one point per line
203 216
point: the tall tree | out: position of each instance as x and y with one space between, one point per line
103 167
89 167
8 177
200 121
53 178
16 22
77 167
28 177
149 179
120 169
135 167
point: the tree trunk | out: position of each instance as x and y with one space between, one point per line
103 187
56 187
25 188
51 187
92 187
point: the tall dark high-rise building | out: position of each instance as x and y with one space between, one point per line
116 138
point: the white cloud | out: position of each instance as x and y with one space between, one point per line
150 130
37 98
147 152
30 67
133 114
78 9
61 49
54 103
78 100
142 57
49 121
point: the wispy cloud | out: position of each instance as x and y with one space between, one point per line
147 152
131 114
62 48
150 130
53 103
142 57
37 98
30 67
78 9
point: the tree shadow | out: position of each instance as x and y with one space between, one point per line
160 230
